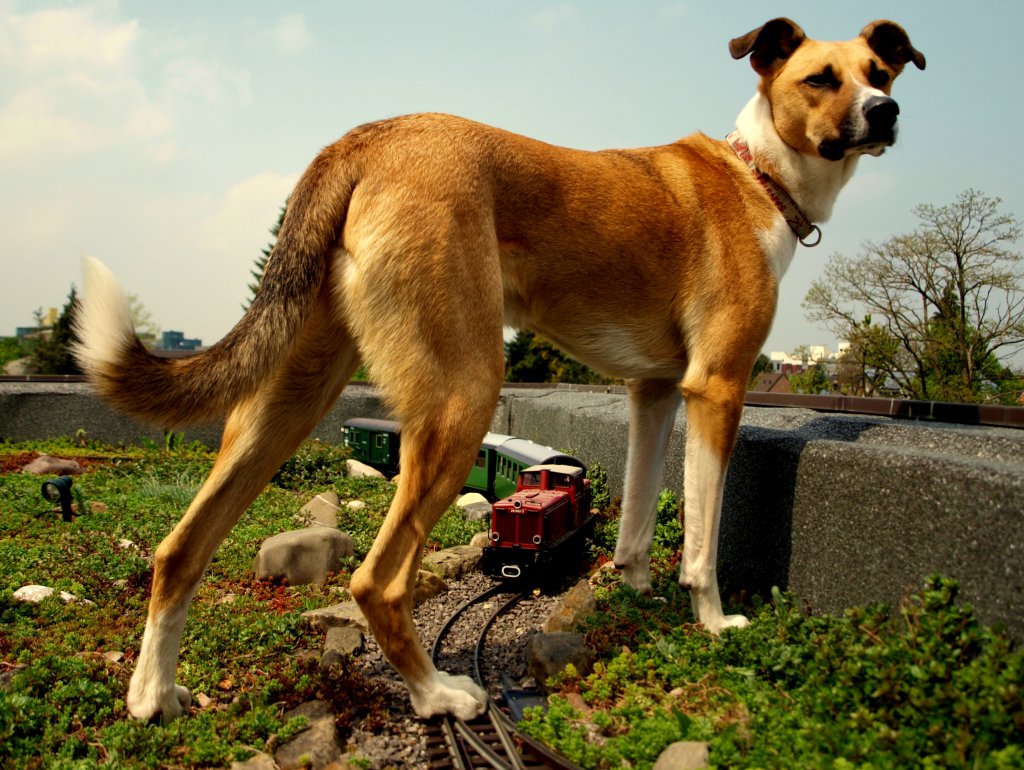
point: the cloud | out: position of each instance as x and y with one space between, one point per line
238 223
290 34
74 84
71 85
191 78
50 40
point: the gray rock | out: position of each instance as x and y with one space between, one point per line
358 470
549 654
428 585
33 594
303 556
474 506
576 605
479 540
44 465
452 563
683 755
258 761
343 614
341 642
322 510
315 747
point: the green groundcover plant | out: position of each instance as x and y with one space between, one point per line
64 667
924 686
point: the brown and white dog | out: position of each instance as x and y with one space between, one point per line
411 242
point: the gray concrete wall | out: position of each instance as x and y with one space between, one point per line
842 509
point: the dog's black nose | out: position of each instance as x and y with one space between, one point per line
881 112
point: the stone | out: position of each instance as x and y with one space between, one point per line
355 505
577 604
44 465
683 755
258 761
321 511
452 563
303 556
474 506
33 594
428 585
358 470
341 642
480 539
549 654
93 507
317 746
343 614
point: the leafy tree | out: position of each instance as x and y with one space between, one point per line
11 349
761 365
813 380
869 362
146 328
50 349
261 261
530 358
949 299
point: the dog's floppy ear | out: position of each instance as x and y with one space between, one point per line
769 45
891 43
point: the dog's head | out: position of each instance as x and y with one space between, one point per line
830 98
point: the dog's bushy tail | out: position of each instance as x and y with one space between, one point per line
178 392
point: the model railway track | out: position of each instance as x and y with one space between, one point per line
491 740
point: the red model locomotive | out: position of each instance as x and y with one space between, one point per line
546 518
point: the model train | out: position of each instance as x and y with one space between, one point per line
494 475
544 522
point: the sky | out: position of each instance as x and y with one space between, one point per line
164 137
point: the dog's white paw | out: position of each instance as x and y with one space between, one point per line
158 707
443 693
637 577
717 625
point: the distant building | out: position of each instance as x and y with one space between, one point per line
817 355
772 382
172 340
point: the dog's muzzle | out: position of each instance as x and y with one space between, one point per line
871 135
881 112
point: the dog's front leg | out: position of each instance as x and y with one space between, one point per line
713 408
652 407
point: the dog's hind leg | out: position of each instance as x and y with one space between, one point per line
428 315
652 408
436 457
260 434
714 403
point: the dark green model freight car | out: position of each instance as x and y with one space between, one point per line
495 474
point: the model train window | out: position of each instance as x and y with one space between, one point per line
560 480
481 459
531 479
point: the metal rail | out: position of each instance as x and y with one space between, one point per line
491 740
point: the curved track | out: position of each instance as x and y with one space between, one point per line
491 740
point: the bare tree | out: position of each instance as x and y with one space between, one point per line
945 302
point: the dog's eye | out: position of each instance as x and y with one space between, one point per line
878 77
824 79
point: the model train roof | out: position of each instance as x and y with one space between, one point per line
368 423
557 468
535 454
